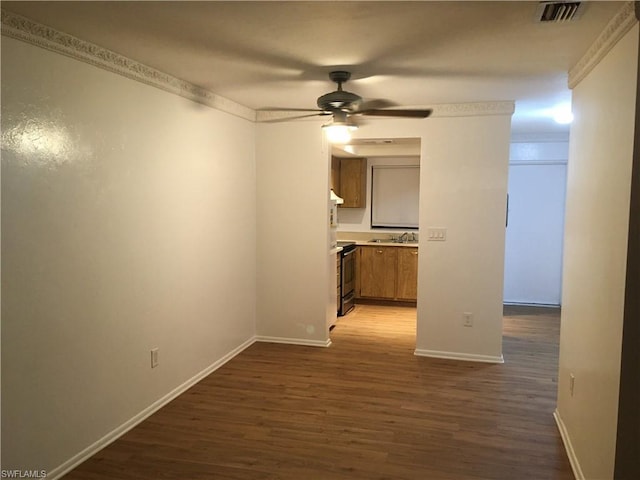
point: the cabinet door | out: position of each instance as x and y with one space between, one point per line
378 272
335 175
407 273
353 182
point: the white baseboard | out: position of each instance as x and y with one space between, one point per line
469 357
112 436
528 304
294 341
568 446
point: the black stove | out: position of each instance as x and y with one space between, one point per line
347 277
347 246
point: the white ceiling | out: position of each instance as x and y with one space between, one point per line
278 54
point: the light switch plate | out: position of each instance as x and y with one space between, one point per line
436 234
154 357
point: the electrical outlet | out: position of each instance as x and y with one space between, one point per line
467 319
572 383
154 357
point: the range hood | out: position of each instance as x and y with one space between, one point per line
336 198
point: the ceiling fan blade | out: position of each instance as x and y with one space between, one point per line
373 104
286 119
422 113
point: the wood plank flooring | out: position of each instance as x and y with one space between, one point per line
365 408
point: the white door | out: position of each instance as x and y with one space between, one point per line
533 251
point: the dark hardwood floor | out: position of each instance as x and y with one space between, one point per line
365 408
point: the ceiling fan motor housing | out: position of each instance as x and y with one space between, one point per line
337 100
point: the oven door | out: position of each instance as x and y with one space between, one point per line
348 273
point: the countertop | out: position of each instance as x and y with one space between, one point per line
365 243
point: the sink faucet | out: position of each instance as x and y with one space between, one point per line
403 237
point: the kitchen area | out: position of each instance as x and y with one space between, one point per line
374 224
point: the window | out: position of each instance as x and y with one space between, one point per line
395 196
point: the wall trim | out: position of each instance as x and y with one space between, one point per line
527 304
267 116
524 163
473 109
468 357
619 25
568 446
29 31
294 341
540 137
113 435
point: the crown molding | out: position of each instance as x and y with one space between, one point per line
266 116
473 109
619 25
26 30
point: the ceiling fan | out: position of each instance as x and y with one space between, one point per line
343 105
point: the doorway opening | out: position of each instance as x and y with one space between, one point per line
535 223
379 182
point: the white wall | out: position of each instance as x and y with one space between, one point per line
463 189
293 166
597 217
128 223
533 250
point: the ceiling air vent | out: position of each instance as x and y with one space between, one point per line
558 11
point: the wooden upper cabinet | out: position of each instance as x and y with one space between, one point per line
378 272
335 175
353 182
407 273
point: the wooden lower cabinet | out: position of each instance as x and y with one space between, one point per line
388 273
407 274
378 272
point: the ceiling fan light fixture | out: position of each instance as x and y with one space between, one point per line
339 132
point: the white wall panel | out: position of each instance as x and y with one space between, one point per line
595 256
293 240
463 186
128 223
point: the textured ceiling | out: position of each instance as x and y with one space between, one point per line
278 54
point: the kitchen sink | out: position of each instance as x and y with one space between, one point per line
390 240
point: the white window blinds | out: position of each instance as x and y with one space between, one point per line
395 196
